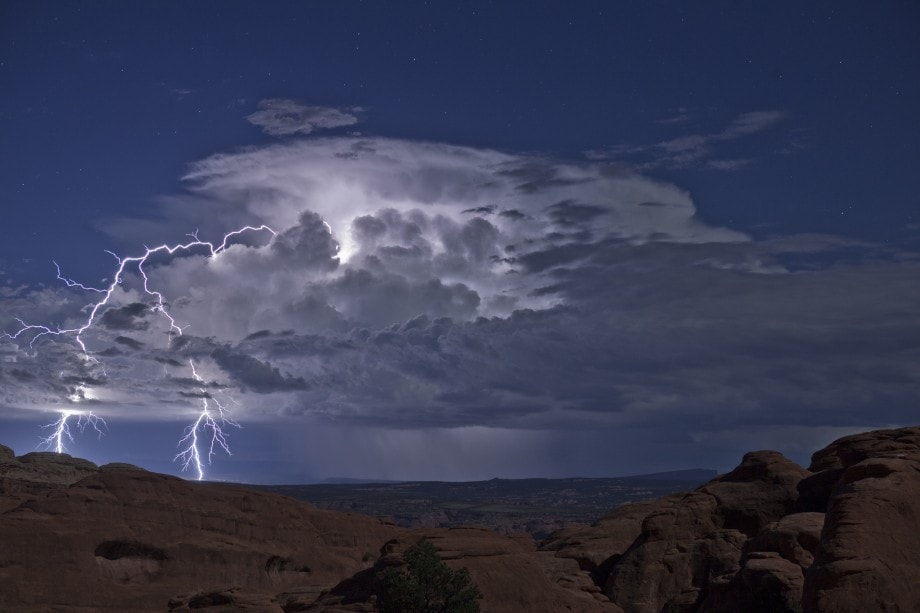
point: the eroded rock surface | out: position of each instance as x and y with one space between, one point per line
758 539
123 539
869 554
689 542
79 537
511 575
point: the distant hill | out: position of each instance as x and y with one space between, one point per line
536 506
691 474
699 475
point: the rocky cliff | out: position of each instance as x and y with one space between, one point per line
769 536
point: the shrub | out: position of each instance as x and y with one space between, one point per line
426 585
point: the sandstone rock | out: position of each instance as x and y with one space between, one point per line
6 454
815 491
869 555
230 600
119 467
598 547
37 472
850 450
124 539
132 540
771 583
794 537
762 489
511 575
42 470
772 569
691 541
74 536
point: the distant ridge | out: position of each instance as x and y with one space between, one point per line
700 475
356 481
691 474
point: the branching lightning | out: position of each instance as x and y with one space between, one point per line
214 416
61 429
123 265
209 426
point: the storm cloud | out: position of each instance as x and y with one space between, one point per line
420 287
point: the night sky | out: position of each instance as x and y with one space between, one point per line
511 239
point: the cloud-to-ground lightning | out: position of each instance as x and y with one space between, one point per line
213 417
60 429
209 425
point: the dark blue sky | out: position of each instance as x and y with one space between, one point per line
785 122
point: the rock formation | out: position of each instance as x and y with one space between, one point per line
74 536
769 536
869 555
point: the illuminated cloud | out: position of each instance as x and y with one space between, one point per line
423 287
280 117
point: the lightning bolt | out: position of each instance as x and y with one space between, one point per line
61 429
39 331
211 420
209 425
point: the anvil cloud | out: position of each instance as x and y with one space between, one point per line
425 287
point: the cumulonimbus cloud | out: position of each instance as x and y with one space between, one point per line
429 285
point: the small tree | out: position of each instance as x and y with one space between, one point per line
427 585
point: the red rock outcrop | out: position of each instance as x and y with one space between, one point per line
869 554
123 539
74 536
596 548
130 540
692 541
510 574
758 539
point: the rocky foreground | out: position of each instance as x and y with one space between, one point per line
843 535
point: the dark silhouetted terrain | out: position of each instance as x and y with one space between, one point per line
770 536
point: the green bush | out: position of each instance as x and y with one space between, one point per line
426 585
